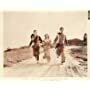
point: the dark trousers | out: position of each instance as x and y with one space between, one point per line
36 53
60 52
59 49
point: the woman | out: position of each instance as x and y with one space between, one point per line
46 47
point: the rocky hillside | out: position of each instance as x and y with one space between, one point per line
75 41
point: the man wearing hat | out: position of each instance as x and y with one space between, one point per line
59 44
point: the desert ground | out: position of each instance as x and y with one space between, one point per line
75 64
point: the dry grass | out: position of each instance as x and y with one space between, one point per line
17 55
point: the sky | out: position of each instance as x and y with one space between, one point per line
18 26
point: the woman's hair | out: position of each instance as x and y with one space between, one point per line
34 30
46 35
61 28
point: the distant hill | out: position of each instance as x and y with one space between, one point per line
75 41
15 49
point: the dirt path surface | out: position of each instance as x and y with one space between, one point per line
30 68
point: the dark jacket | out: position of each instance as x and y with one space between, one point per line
35 39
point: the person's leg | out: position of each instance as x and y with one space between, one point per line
37 57
48 58
44 54
48 55
34 52
58 51
38 53
62 56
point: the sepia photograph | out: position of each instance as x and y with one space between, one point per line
47 44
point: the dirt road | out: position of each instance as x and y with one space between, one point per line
29 68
